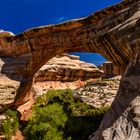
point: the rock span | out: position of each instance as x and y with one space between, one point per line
113 32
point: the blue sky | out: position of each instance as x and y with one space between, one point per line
19 15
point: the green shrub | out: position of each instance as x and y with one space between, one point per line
47 123
58 115
11 124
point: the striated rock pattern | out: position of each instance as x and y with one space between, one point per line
62 72
122 122
113 32
67 68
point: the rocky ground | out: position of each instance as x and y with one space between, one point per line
99 93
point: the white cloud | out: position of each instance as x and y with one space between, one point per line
60 19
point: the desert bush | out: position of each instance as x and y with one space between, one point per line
47 123
10 124
58 115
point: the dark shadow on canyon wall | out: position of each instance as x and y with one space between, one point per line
123 103
15 68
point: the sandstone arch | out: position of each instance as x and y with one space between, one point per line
113 32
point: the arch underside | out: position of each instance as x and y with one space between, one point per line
112 32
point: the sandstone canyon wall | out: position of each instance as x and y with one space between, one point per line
122 121
62 72
113 32
67 68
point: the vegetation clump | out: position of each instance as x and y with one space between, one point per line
10 124
57 115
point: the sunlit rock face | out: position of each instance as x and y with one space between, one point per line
67 68
112 32
58 70
65 71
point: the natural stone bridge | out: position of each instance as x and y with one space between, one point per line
113 32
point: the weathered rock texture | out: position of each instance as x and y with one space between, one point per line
65 71
100 92
122 122
113 32
67 68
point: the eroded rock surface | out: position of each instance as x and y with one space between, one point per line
99 93
122 121
62 72
67 68
113 32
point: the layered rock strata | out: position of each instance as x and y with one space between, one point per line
65 71
113 32
67 68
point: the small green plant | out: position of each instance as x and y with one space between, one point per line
11 124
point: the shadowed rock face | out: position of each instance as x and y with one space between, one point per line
110 69
122 122
113 32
